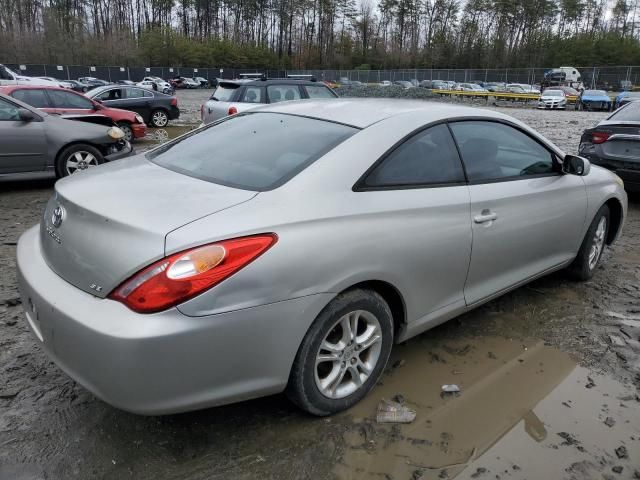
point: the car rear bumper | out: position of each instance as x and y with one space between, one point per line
165 362
174 113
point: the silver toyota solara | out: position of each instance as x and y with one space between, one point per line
288 248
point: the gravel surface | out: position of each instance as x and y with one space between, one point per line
50 427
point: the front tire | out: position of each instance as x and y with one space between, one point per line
159 118
343 354
128 132
590 253
76 158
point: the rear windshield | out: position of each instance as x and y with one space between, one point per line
254 151
598 93
224 92
628 113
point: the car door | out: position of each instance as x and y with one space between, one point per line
70 103
23 143
420 190
527 216
36 97
138 100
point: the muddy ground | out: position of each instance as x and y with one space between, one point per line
549 377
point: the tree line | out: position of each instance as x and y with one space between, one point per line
305 34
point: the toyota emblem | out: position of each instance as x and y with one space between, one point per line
57 216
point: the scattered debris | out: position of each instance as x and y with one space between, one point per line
617 340
393 412
617 469
566 404
621 452
399 398
10 322
609 422
590 383
450 388
479 472
10 243
435 358
398 364
492 356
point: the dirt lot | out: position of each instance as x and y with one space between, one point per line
550 378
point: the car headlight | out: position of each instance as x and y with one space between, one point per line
139 119
115 133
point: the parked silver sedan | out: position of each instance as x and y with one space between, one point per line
288 248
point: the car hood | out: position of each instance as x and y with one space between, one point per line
61 127
114 219
36 81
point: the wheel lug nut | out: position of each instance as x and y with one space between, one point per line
343 364
353 360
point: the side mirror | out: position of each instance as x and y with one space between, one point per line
574 165
26 115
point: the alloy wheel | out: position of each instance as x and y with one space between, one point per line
348 354
598 243
80 160
159 119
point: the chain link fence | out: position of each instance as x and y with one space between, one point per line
610 78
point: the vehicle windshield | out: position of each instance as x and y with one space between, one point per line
254 151
224 92
628 113
553 93
595 93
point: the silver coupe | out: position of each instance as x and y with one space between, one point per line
289 247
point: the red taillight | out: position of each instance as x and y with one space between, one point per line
183 275
174 101
599 137
232 110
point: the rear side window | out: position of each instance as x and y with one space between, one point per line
319 91
283 93
111 94
137 93
428 158
631 112
256 151
253 95
494 151
8 111
62 99
224 92
35 98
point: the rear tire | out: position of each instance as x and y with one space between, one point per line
593 244
321 381
76 158
159 118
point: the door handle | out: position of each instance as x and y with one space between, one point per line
485 216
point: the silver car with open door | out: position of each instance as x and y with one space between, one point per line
288 248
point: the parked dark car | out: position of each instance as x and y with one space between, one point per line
154 107
34 141
204 83
92 82
77 86
615 144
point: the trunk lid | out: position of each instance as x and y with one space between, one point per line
105 224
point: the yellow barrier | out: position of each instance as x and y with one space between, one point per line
507 95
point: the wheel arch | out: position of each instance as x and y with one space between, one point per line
615 218
56 158
391 295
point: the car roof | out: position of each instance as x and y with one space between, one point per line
362 112
271 81
11 88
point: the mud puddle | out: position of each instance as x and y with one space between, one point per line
525 410
161 135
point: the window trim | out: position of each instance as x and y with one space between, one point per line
360 186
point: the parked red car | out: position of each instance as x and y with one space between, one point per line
62 101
